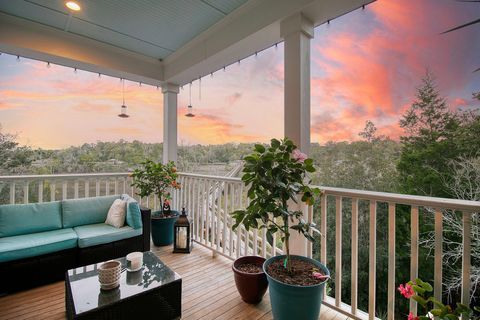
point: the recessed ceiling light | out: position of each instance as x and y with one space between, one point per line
72 5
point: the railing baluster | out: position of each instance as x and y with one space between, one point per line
87 188
75 189
107 187
64 190
354 266
230 231
25 192
466 257
239 229
255 242
97 187
115 181
213 219
310 220
52 191
40 191
12 193
207 212
323 229
372 260
338 251
218 214
202 210
225 217
414 252
391 261
264 242
124 185
197 227
155 203
437 278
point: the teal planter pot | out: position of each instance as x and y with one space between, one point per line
162 228
295 302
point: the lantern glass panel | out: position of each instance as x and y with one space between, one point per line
181 237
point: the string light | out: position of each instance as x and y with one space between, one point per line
211 74
139 84
99 75
75 70
48 65
18 58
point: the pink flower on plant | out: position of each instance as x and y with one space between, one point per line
299 155
319 276
406 291
412 317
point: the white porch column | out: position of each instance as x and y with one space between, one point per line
170 99
297 32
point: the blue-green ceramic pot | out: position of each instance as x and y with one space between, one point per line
162 228
292 301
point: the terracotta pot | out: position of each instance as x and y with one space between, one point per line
251 286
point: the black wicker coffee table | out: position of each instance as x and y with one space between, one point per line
153 292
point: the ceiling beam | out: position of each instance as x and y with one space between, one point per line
36 41
250 28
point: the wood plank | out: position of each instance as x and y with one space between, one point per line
208 292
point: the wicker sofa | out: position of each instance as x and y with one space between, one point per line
39 242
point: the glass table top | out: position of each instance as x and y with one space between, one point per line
86 292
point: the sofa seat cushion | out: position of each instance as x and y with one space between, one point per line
36 244
100 233
78 212
18 219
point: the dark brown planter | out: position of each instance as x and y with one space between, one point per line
251 286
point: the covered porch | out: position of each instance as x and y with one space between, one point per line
225 33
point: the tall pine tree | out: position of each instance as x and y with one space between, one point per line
428 143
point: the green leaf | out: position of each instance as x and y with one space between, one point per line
420 300
418 289
308 162
259 148
275 143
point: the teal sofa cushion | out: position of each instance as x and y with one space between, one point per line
134 216
100 233
18 219
36 244
79 212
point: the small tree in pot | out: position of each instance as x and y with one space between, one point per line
275 176
158 178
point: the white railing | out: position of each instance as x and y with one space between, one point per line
211 199
429 204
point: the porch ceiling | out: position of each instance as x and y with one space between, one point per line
149 41
152 28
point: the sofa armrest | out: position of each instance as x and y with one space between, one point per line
146 214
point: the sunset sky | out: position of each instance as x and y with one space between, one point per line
365 66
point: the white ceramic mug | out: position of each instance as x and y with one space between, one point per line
134 261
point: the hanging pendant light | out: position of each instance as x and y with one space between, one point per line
190 108
123 109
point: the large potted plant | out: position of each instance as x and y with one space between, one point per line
276 176
159 179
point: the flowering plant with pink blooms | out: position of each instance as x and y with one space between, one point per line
422 293
274 175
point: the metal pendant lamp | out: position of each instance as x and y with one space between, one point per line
190 108
123 108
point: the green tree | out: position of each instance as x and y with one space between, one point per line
428 143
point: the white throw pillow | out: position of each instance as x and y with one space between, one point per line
116 213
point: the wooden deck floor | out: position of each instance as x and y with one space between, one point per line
208 293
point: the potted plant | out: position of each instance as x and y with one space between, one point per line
422 293
158 178
274 176
250 279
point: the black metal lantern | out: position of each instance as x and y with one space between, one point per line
182 238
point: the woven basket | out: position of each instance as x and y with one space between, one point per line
109 274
